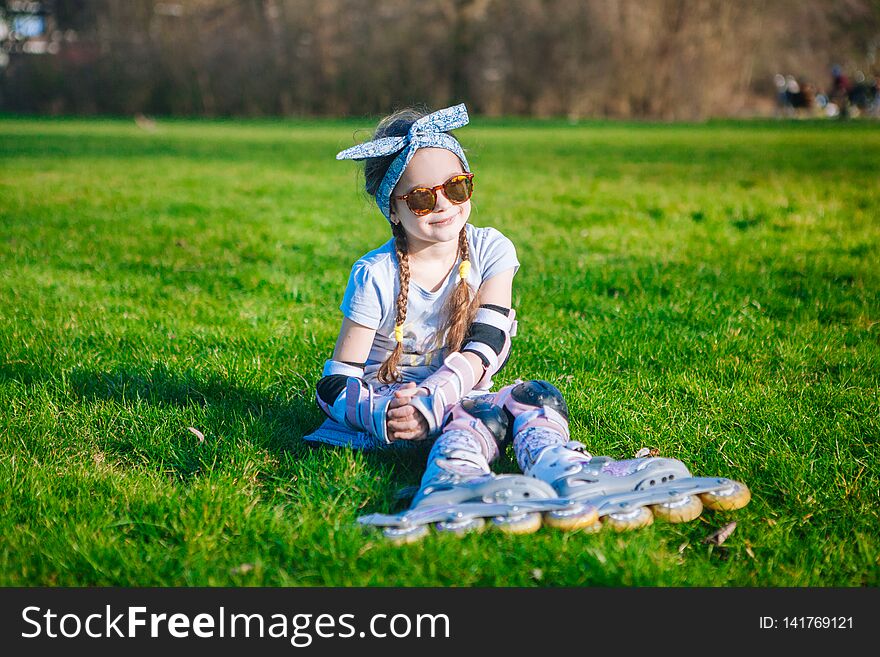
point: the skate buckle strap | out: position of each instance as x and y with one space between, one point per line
462 462
522 421
577 446
558 463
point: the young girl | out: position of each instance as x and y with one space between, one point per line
427 322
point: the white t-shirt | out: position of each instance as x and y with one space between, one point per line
371 300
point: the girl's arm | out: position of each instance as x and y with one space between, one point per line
497 291
398 419
349 356
354 342
342 393
488 339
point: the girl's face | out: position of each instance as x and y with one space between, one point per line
427 168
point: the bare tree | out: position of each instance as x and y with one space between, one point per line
667 59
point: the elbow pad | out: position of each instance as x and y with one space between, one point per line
345 397
489 338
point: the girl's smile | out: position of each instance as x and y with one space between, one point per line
449 220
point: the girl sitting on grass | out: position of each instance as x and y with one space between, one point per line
427 321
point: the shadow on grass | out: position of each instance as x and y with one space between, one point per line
230 412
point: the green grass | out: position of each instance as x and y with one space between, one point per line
709 290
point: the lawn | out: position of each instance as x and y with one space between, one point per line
708 290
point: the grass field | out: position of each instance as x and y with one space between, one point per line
708 290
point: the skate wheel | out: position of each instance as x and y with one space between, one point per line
683 509
624 521
460 527
595 528
526 523
577 517
404 535
732 496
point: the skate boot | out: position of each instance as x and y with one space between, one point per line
540 422
628 494
458 492
460 505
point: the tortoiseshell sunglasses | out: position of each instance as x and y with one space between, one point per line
423 200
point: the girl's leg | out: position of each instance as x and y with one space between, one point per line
534 413
458 479
468 444
458 468
539 426
623 490
459 492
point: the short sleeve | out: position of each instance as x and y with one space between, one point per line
362 301
498 254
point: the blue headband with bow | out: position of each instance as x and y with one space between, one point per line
428 132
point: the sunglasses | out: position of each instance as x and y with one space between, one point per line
423 200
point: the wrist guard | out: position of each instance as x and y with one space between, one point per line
444 388
345 397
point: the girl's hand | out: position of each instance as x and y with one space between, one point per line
403 421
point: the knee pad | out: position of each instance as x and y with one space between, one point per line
534 404
492 418
540 393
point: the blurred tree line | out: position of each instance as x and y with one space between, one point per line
668 59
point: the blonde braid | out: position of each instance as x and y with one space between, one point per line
388 372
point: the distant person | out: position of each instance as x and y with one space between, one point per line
782 103
797 96
840 88
863 93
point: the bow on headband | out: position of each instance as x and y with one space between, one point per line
428 132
